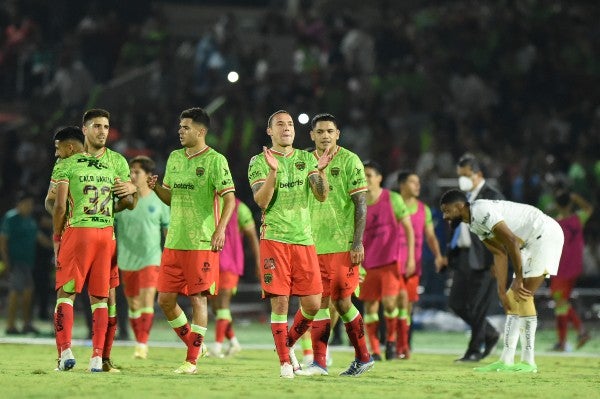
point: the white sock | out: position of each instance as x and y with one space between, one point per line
234 341
511 336
218 347
528 326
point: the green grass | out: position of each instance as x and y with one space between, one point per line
26 371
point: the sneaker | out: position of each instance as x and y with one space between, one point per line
96 364
234 349
294 359
558 347
13 331
30 329
66 361
390 350
522 368
109 367
582 339
403 354
287 371
186 368
312 369
307 360
357 368
140 351
496 366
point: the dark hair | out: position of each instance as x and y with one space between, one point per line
403 175
145 163
69 133
322 118
281 111
198 115
563 198
95 113
452 196
469 159
373 165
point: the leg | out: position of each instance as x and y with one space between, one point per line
13 303
27 310
402 325
220 305
145 309
320 330
482 289
110 331
279 327
390 311
354 328
100 321
63 328
372 326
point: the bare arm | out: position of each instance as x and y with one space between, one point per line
434 245
4 251
126 202
263 192
163 193
58 214
357 253
218 238
250 234
410 242
318 182
50 198
584 205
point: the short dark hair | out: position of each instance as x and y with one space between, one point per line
280 111
452 196
69 133
563 198
198 115
373 165
145 163
322 118
470 160
403 175
95 113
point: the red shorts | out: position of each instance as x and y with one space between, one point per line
85 255
411 286
188 272
380 282
133 280
289 269
228 280
561 288
338 275
114 270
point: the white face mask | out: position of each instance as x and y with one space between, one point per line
465 183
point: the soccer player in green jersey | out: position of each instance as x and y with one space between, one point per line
96 125
83 241
194 178
282 180
338 224
139 233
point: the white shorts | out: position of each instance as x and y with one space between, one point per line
541 256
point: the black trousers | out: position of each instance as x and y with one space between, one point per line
471 294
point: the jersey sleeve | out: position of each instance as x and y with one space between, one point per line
357 181
59 173
167 178
222 176
257 170
245 218
428 217
398 205
165 215
122 169
486 216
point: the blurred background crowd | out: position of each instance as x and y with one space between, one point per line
414 85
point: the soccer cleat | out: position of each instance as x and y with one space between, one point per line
234 349
307 360
96 364
357 368
390 350
186 368
287 371
66 361
404 354
558 347
376 357
582 339
522 368
140 351
496 366
203 351
312 369
294 359
109 367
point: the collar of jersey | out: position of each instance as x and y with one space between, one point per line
337 149
99 155
202 151
281 154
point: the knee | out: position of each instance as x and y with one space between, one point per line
165 302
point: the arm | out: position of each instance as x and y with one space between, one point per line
263 192
50 198
357 253
126 202
318 182
410 242
507 239
499 269
250 234
123 189
582 204
218 237
163 193
43 240
434 245
58 215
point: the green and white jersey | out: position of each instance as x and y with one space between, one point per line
333 220
195 183
139 232
287 217
90 190
115 161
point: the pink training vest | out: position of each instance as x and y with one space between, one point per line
418 222
231 258
571 260
381 233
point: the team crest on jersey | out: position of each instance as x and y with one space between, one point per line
206 267
200 171
300 165
268 278
269 264
335 172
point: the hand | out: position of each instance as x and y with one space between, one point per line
505 302
324 159
123 189
217 241
270 158
56 248
440 263
362 274
357 254
410 268
519 289
151 180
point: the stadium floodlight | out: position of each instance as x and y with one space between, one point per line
303 118
233 76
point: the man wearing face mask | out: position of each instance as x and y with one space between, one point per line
473 286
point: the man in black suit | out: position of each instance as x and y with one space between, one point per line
473 286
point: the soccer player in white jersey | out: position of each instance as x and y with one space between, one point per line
533 241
